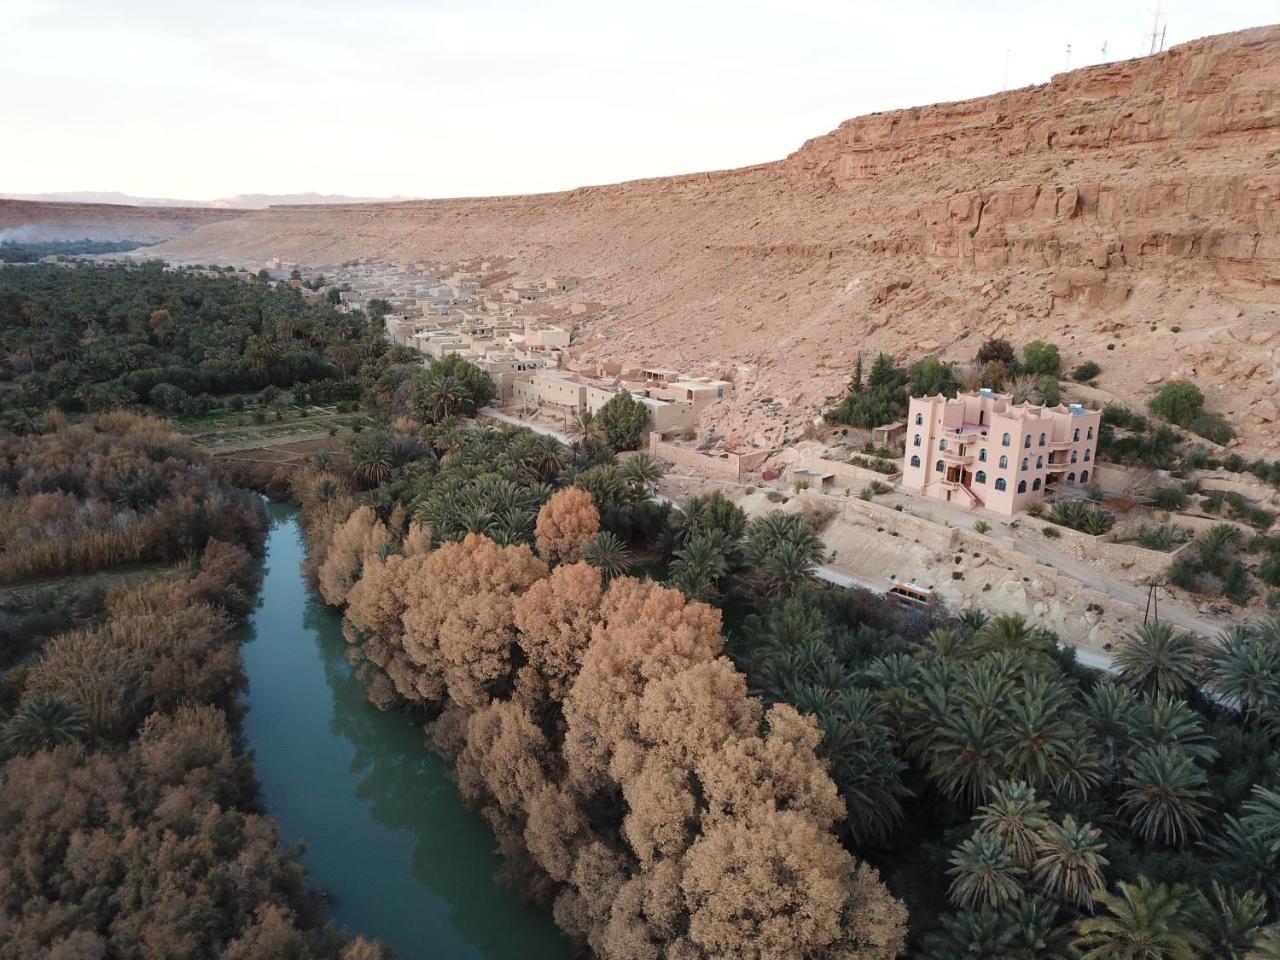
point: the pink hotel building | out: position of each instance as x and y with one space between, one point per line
982 450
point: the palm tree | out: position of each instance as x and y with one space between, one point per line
1159 659
1026 929
608 554
1266 944
984 873
372 459
1164 796
440 396
1171 721
512 527
1015 817
860 747
44 722
263 352
325 488
1249 846
964 757
1244 666
1110 709
642 470
1037 730
1233 923
1143 921
697 567
344 355
1069 864
1010 631
786 569
586 426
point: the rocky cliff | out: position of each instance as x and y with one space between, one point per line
1128 211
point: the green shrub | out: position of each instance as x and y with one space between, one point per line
1213 427
1082 516
1053 533
1178 401
996 350
1050 390
1085 372
1269 570
981 526
1169 498
1042 358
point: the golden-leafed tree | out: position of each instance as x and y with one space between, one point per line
646 632
459 619
361 537
555 830
779 770
566 523
556 617
505 758
779 885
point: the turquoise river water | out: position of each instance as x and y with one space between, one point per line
386 833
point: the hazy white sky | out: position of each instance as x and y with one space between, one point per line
464 97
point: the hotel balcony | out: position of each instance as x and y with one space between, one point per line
955 458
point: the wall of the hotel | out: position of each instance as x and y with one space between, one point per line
938 418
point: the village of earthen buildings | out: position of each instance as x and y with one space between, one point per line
947 520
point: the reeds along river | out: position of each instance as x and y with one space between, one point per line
386 833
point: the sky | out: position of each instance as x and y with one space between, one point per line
439 98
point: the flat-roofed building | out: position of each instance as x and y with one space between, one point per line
981 449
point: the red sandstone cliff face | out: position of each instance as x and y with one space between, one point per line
1141 164
1134 206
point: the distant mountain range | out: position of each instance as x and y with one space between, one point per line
244 201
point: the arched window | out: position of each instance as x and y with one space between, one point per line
915 461
1025 463
1005 440
1084 476
1087 454
1042 439
1026 441
1075 438
916 441
1004 463
920 421
1035 484
1039 463
1074 455
942 444
1022 486
1000 484
938 466
1071 478
1089 434
982 455
980 476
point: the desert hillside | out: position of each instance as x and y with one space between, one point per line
43 220
1129 211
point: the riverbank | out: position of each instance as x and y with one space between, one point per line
386 833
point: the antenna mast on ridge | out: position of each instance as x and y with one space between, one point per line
1157 29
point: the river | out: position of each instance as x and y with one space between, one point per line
386 833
